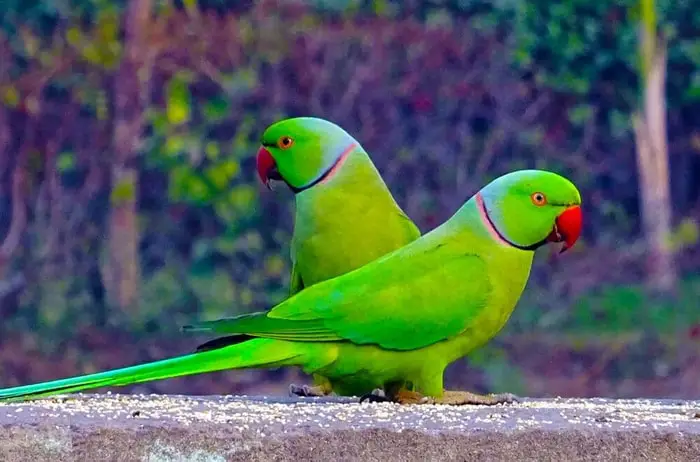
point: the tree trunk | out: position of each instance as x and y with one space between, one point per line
652 157
122 272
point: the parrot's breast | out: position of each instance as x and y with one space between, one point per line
339 233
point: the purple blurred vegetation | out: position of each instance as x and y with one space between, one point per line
129 203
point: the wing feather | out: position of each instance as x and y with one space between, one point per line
402 303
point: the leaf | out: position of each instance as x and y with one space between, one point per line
579 114
10 96
123 191
619 123
275 266
212 150
693 91
190 5
186 185
242 197
178 101
226 212
216 109
74 36
175 145
217 177
65 162
226 245
686 234
231 167
178 186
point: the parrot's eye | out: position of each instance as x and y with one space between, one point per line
285 142
538 199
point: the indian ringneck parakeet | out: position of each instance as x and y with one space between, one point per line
401 319
345 217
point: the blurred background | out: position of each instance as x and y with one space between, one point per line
129 203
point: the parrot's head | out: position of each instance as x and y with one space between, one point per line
302 152
530 208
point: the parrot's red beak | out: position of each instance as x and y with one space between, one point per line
267 168
567 228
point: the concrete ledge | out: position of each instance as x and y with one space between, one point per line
163 428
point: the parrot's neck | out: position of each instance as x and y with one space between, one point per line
474 215
330 172
508 267
356 175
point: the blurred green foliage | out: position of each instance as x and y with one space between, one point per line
444 95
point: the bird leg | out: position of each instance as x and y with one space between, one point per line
305 390
321 387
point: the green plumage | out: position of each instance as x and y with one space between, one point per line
399 319
347 219
347 222
252 353
343 222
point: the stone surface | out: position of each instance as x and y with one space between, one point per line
164 428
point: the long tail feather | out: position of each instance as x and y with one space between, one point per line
248 354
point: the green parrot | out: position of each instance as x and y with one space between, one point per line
401 319
345 217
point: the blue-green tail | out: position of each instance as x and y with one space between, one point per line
248 354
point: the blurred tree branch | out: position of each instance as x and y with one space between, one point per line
18 183
122 272
652 155
440 109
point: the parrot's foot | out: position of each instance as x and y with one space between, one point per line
305 390
408 397
375 396
457 398
401 397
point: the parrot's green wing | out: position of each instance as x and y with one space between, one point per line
402 303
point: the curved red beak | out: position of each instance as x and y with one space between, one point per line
267 168
567 227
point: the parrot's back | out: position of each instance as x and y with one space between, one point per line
346 223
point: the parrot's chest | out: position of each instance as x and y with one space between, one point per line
330 244
511 271
509 274
331 252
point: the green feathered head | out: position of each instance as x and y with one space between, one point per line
528 208
302 151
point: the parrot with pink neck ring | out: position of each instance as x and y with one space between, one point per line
397 322
345 217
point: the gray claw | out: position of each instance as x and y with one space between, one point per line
296 390
375 396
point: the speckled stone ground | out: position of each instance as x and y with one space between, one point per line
163 428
